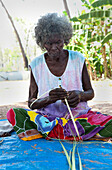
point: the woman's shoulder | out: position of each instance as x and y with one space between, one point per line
75 54
38 60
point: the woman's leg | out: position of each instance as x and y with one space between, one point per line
22 123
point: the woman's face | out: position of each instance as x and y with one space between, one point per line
54 45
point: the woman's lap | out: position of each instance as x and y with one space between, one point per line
31 125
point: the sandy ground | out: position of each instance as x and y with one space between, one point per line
15 94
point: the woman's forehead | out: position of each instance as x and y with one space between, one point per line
55 37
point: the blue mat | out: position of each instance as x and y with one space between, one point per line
48 155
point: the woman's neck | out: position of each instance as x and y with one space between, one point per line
56 67
57 59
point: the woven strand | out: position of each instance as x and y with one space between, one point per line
75 126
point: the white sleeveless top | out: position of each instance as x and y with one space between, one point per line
70 80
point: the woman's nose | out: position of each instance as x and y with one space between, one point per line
54 46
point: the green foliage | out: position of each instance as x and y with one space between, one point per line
65 13
96 38
11 60
107 38
86 4
92 30
101 3
96 14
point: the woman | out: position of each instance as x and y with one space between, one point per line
59 80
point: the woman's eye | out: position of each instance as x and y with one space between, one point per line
59 41
48 43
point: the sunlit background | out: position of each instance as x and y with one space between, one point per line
29 11
25 14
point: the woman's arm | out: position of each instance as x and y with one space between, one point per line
88 93
54 95
33 93
77 96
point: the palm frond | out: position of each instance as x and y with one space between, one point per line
101 3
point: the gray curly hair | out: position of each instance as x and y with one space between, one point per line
50 24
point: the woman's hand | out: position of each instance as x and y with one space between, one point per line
73 98
57 94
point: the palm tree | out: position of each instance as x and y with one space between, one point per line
96 24
66 8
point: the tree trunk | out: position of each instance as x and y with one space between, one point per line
105 62
111 62
90 70
110 55
66 8
18 37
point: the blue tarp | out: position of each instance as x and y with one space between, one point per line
48 155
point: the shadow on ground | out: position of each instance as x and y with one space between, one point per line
105 108
4 109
